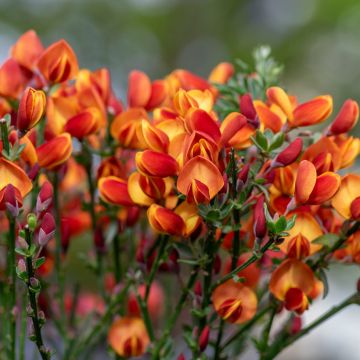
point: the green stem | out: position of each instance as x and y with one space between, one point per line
58 251
179 306
22 330
146 316
330 250
12 287
155 266
267 328
243 266
277 347
45 355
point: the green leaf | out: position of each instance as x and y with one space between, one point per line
281 224
261 140
277 141
290 223
38 262
22 252
327 240
268 217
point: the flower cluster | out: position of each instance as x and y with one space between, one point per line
214 182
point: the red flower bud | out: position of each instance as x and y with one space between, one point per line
10 200
295 325
44 198
346 118
260 221
198 288
47 229
204 338
246 106
289 154
217 264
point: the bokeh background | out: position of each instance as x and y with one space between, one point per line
317 40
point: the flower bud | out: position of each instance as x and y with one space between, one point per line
34 283
198 288
289 154
11 200
44 198
260 221
47 229
21 266
32 221
295 325
346 118
204 338
217 264
22 242
31 109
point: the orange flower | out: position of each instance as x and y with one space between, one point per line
55 152
231 127
31 109
165 220
12 81
312 189
347 200
114 190
143 93
309 113
85 123
299 242
11 173
346 118
349 149
27 50
221 73
58 62
234 302
128 336
154 138
126 128
145 190
189 214
291 282
153 163
200 180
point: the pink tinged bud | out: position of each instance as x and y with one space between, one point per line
242 177
204 338
35 283
289 154
44 198
198 289
181 357
47 229
21 266
260 221
246 106
346 118
34 172
21 242
10 200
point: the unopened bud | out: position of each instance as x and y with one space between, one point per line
260 221
11 200
204 338
47 229
21 242
32 221
21 266
217 264
45 197
289 154
198 289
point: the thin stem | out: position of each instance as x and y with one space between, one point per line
155 266
22 330
12 287
267 328
277 347
330 250
58 250
243 266
146 316
45 355
175 314
219 339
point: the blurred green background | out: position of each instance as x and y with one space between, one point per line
317 40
